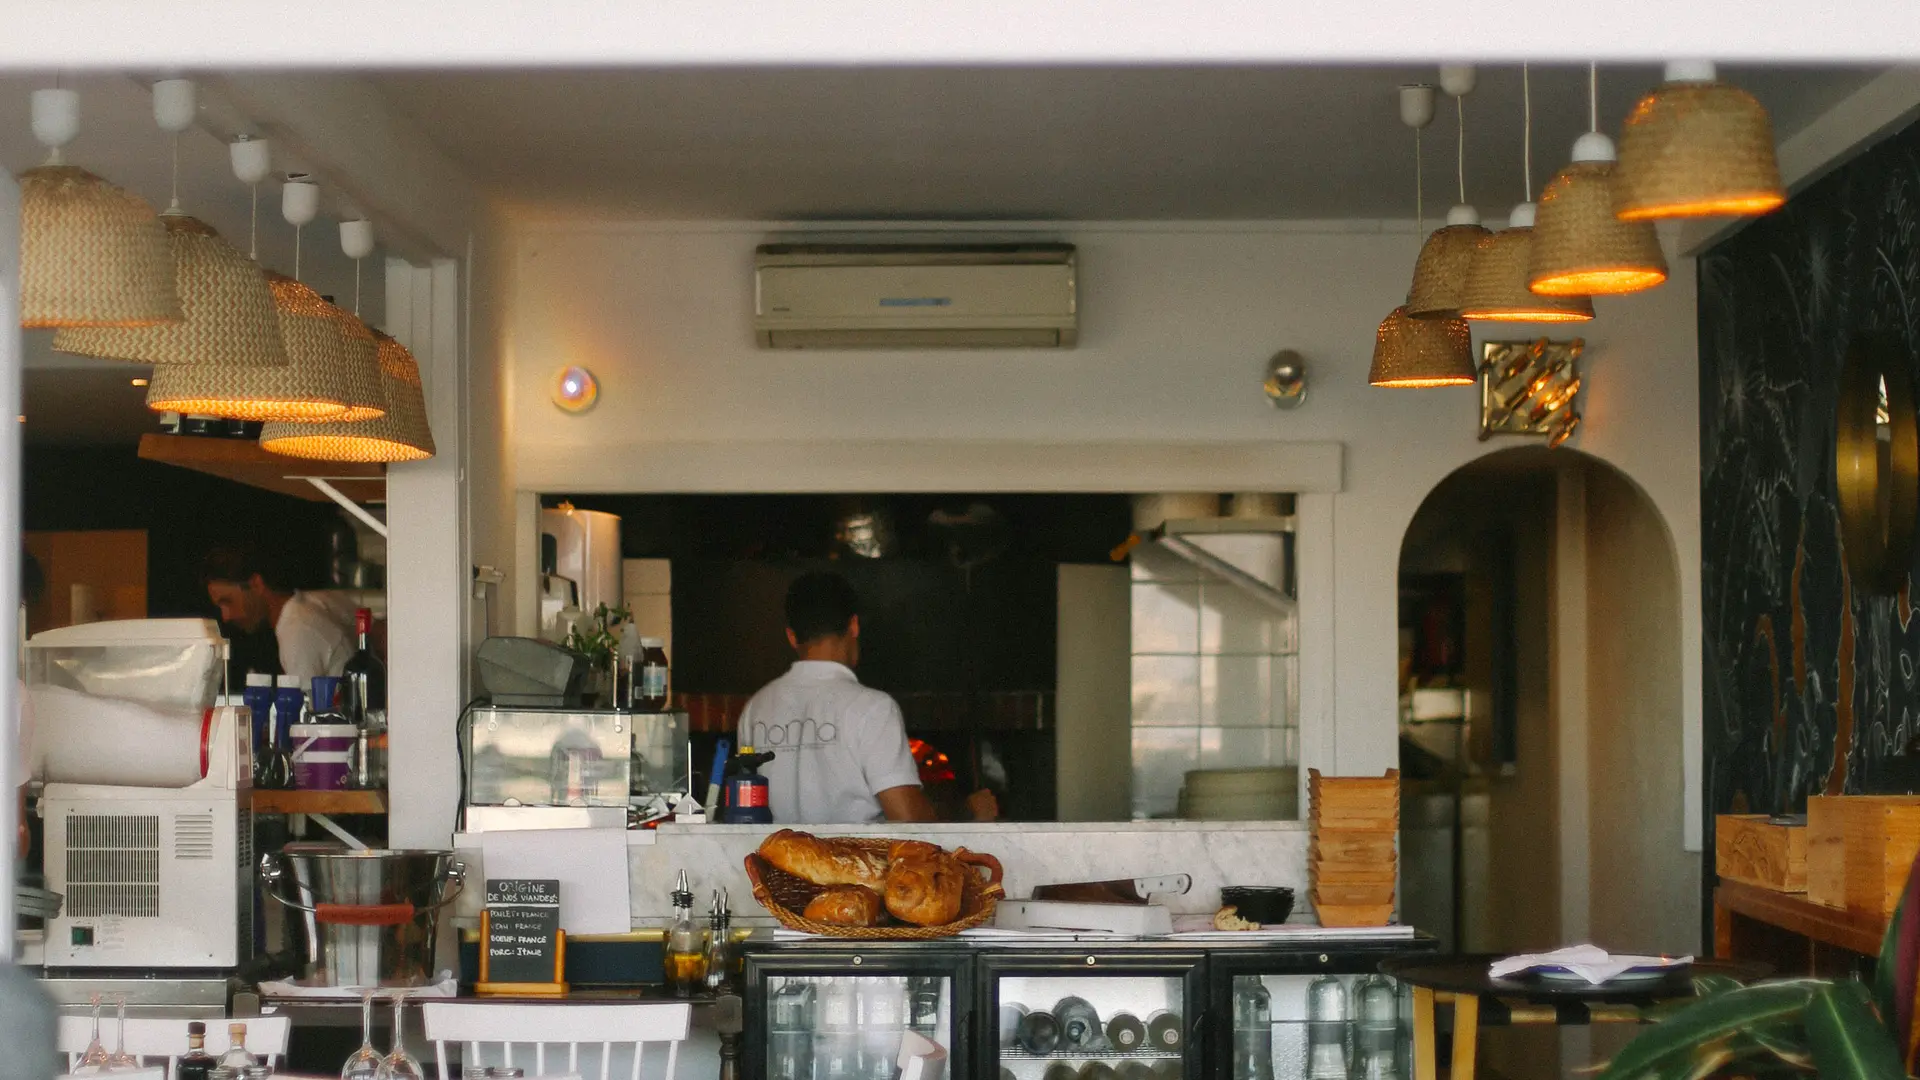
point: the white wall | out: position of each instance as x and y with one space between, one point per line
1177 322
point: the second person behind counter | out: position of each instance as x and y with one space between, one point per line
840 748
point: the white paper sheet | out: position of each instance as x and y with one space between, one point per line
590 864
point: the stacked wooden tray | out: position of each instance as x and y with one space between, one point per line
1352 861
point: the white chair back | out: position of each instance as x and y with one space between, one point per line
150 1038
477 1026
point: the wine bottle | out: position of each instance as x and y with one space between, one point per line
1012 1015
196 1063
1126 1033
363 688
1079 1024
1098 1070
1040 1032
1165 1031
1060 1070
1134 1070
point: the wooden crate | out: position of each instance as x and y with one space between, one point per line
1747 848
1336 846
1354 915
1860 848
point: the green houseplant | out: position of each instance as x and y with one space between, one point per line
1835 1029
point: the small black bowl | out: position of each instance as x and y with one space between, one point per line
1264 904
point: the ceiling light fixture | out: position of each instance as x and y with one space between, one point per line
401 434
1410 353
136 382
575 389
1496 286
1441 270
229 317
1579 246
1696 147
91 254
310 386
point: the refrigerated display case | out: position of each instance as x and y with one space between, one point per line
838 1010
1307 1014
1092 1013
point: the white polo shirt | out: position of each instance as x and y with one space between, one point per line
312 640
836 744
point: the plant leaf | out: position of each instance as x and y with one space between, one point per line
1899 964
1709 1021
1711 984
1848 1040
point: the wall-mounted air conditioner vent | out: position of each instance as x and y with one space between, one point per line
852 296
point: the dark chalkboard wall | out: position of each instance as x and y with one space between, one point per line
1810 683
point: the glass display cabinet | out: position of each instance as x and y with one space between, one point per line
838 1010
1300 1014
1093 1014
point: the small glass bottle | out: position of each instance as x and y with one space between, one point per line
236 1057
722 953
650 676
686 945
196 1063
1326 1029
1377 1023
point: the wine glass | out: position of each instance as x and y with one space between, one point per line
398 1064
365 1062
96 1055
120 1059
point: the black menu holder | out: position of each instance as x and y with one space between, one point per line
523 951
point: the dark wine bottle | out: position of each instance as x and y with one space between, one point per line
1134 1070
1079 1024
1126 1033
363 688
1165 1031
196 1063
1040 1032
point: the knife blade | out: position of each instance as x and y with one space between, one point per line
1119 891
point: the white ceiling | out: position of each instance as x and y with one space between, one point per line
1087 143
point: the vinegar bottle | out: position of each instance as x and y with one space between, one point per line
686 945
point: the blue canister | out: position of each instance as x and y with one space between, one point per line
258 695
747 790
326 694
289 701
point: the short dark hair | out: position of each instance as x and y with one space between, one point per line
237 563
820 604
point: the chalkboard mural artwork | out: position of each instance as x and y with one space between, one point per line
1810 678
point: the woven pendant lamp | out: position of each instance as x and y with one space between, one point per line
1415 353
1696 147
91 254
399 435
1496 289
312 385
1441 271
230 319
1579 247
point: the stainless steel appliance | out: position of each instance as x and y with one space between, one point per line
598 760
369 917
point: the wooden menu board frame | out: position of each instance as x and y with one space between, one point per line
501 897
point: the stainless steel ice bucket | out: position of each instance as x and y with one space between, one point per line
369 916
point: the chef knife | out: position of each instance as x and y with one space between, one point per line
1121 891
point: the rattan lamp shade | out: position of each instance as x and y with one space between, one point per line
1696 149
1441 271
366 398
1496 288
1419 353
91 254
230 319
1580 248
400 435
312 385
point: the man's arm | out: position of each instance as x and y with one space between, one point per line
908 802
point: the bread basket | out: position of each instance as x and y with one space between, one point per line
786 896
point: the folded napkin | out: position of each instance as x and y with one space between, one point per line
1590 962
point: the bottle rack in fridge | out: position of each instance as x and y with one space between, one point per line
1101 1014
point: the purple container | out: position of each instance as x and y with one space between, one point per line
322 756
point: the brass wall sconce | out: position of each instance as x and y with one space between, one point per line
1876 465
1530 388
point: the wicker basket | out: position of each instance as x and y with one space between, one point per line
786 896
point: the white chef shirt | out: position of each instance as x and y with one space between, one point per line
836 744
312 639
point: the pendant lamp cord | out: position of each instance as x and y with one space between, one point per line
1460 149
253 226
174 206
1419 189
1593 96
296 253
1526 133
356 288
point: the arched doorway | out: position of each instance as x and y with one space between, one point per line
1541 713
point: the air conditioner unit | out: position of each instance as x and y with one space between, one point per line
843 296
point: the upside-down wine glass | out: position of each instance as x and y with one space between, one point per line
365 1062
398 1064
96 1055
120 1059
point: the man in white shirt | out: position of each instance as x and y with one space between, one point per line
840 748
313 639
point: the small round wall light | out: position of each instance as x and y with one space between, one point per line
575 389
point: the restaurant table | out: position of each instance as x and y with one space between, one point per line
1466 984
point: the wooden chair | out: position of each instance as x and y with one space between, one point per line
475 1026
166 1037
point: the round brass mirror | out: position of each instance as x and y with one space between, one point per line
1876 465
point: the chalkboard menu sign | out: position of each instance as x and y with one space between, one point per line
522 948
